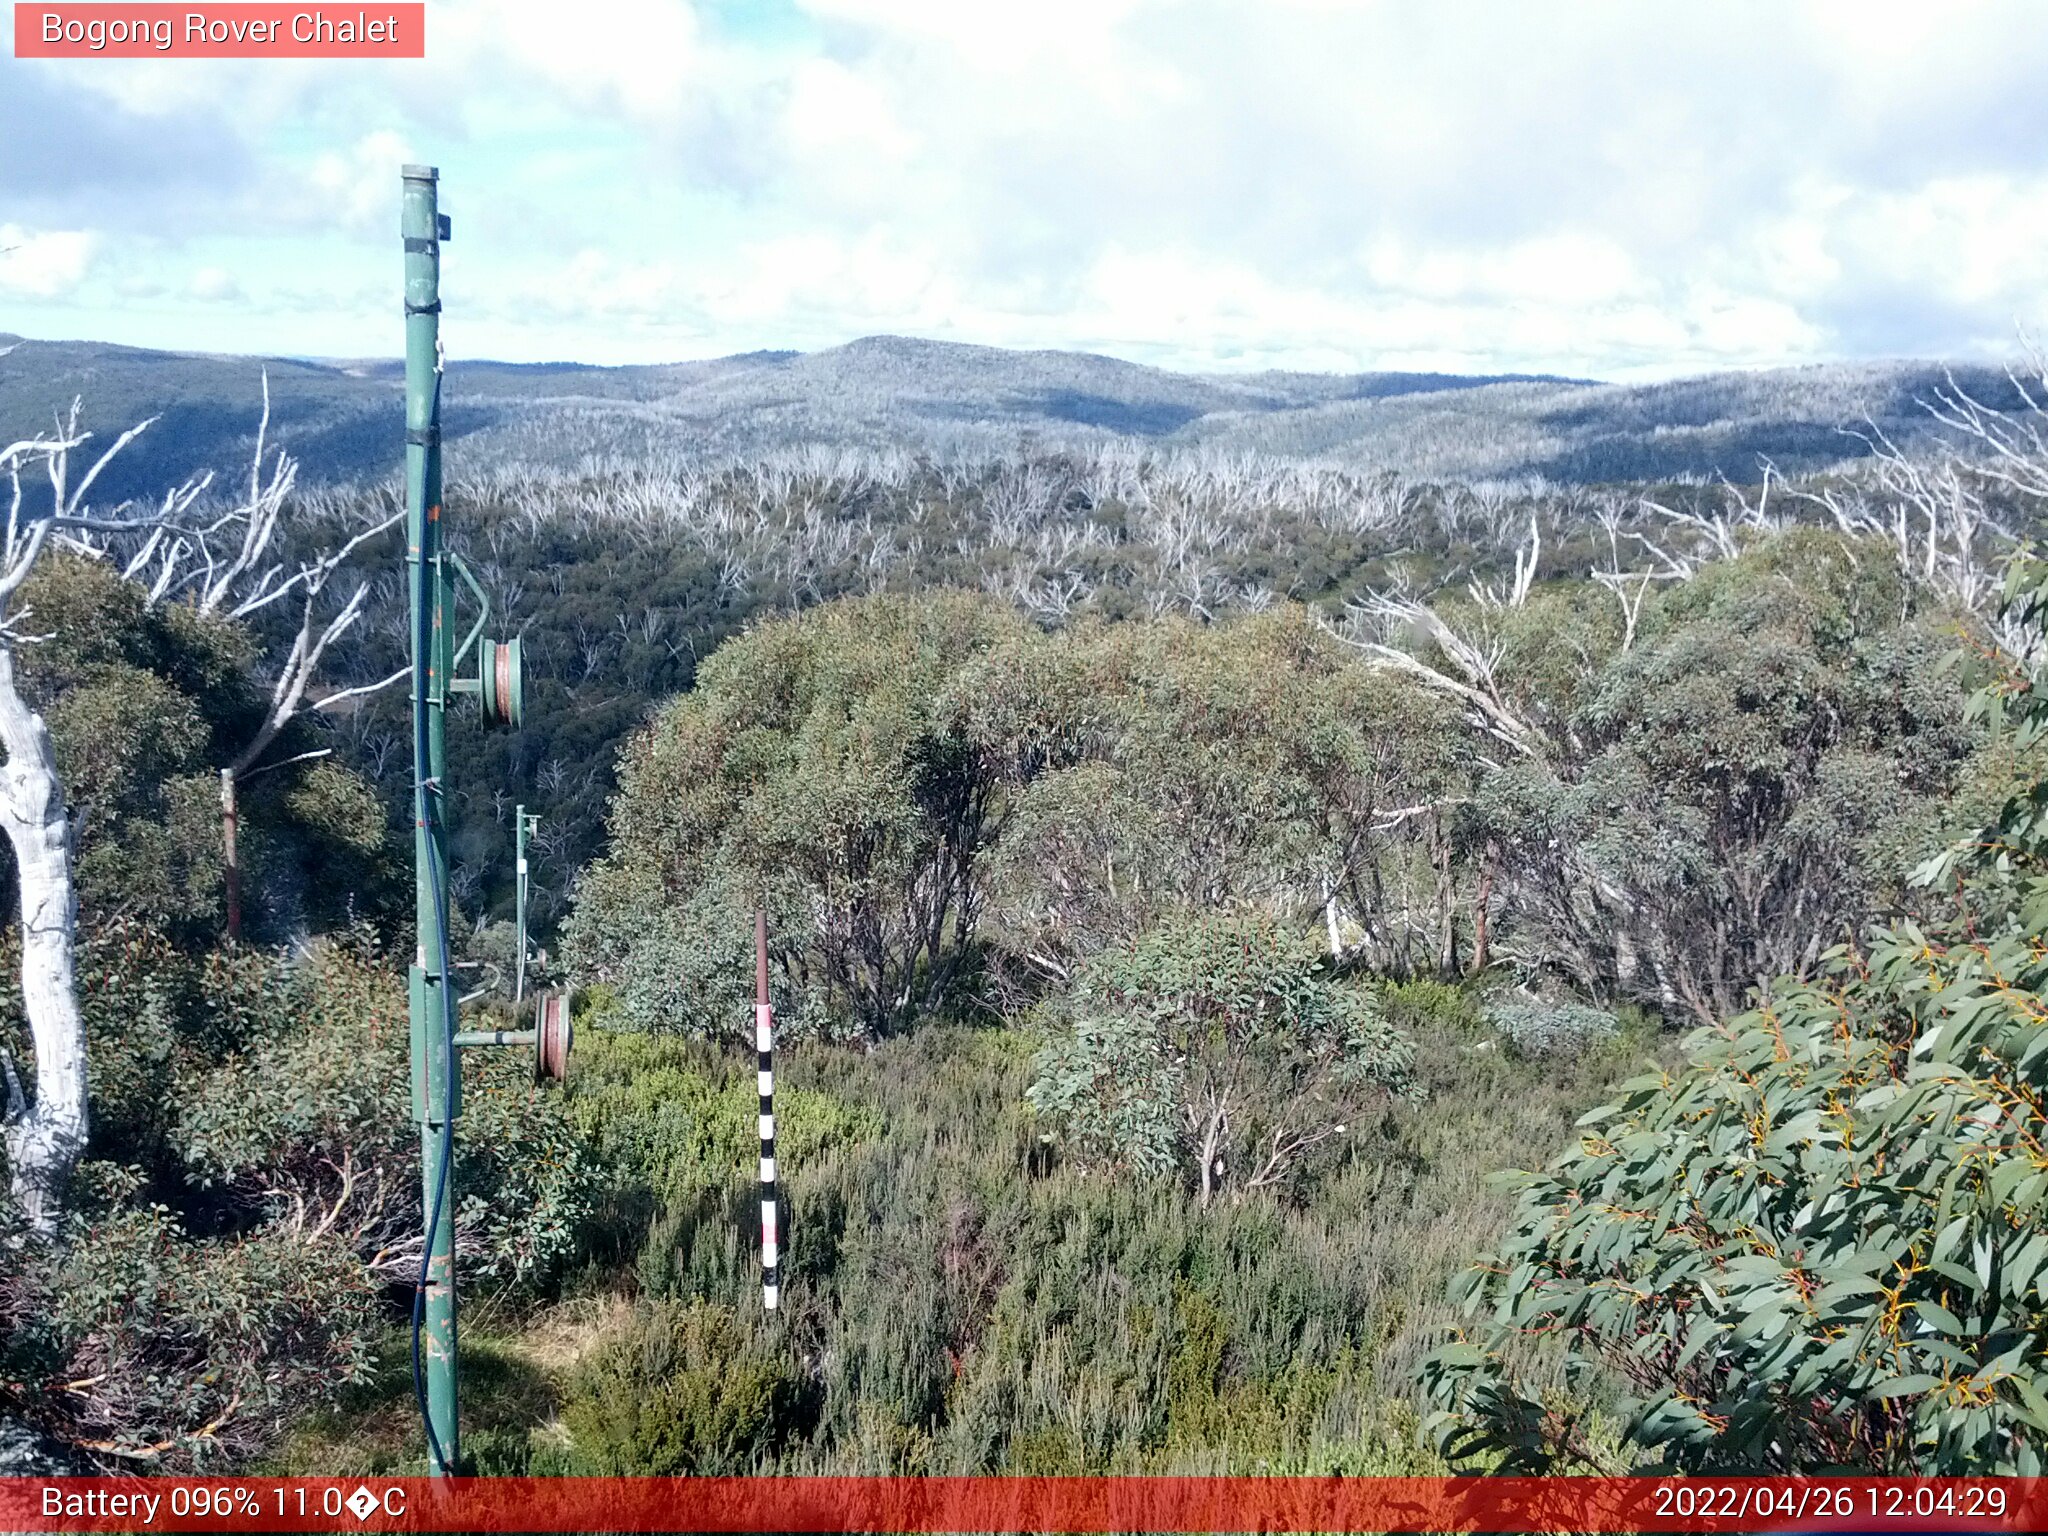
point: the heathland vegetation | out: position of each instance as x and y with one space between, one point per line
1189 881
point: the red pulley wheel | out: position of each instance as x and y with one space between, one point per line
552 1033
500 681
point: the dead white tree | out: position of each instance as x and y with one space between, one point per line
1470 672
231 567
45 1128
1947 514
1717 533
2012 445
1630 587
1494 594
250 575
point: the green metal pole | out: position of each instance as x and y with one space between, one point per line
433 1056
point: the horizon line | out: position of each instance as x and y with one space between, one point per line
1511 375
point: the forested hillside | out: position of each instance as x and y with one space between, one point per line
1188 876
894 394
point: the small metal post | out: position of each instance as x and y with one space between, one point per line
764 1046
525 826
519 844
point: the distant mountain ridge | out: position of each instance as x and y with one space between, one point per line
341 418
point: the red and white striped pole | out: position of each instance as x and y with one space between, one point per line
764 1047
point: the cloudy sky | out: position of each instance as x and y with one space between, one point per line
1618 190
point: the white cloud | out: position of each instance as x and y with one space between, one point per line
1569 269
1978 240
214 285
352 188
640 57
44 264
1588 187
595 285
843 136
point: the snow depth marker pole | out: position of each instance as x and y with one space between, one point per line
764 1047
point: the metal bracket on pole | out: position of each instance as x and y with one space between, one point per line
483 616
500 668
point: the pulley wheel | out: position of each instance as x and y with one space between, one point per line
552 1033
501 681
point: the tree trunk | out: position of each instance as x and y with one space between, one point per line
1480 905
1212 1147
46 1139
234 867
1446 902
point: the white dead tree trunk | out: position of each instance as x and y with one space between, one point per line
1630 587
1493 594
45 1134
1949 515
248 578
1470 676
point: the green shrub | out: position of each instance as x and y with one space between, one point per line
1051 1450
684 1389
677 1117
1537 1026
145 704
595 1005
1214 1047
134 1339
1816 1245
312 1119
1420 1005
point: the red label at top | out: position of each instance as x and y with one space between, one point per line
238 31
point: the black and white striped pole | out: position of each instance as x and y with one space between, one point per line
764 1047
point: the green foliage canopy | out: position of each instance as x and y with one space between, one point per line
1734 793
1821 1241
818 767
930 791
1158 768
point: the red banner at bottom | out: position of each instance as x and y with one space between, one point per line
1022 1504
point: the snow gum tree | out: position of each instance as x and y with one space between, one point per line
223 564
1819 1242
